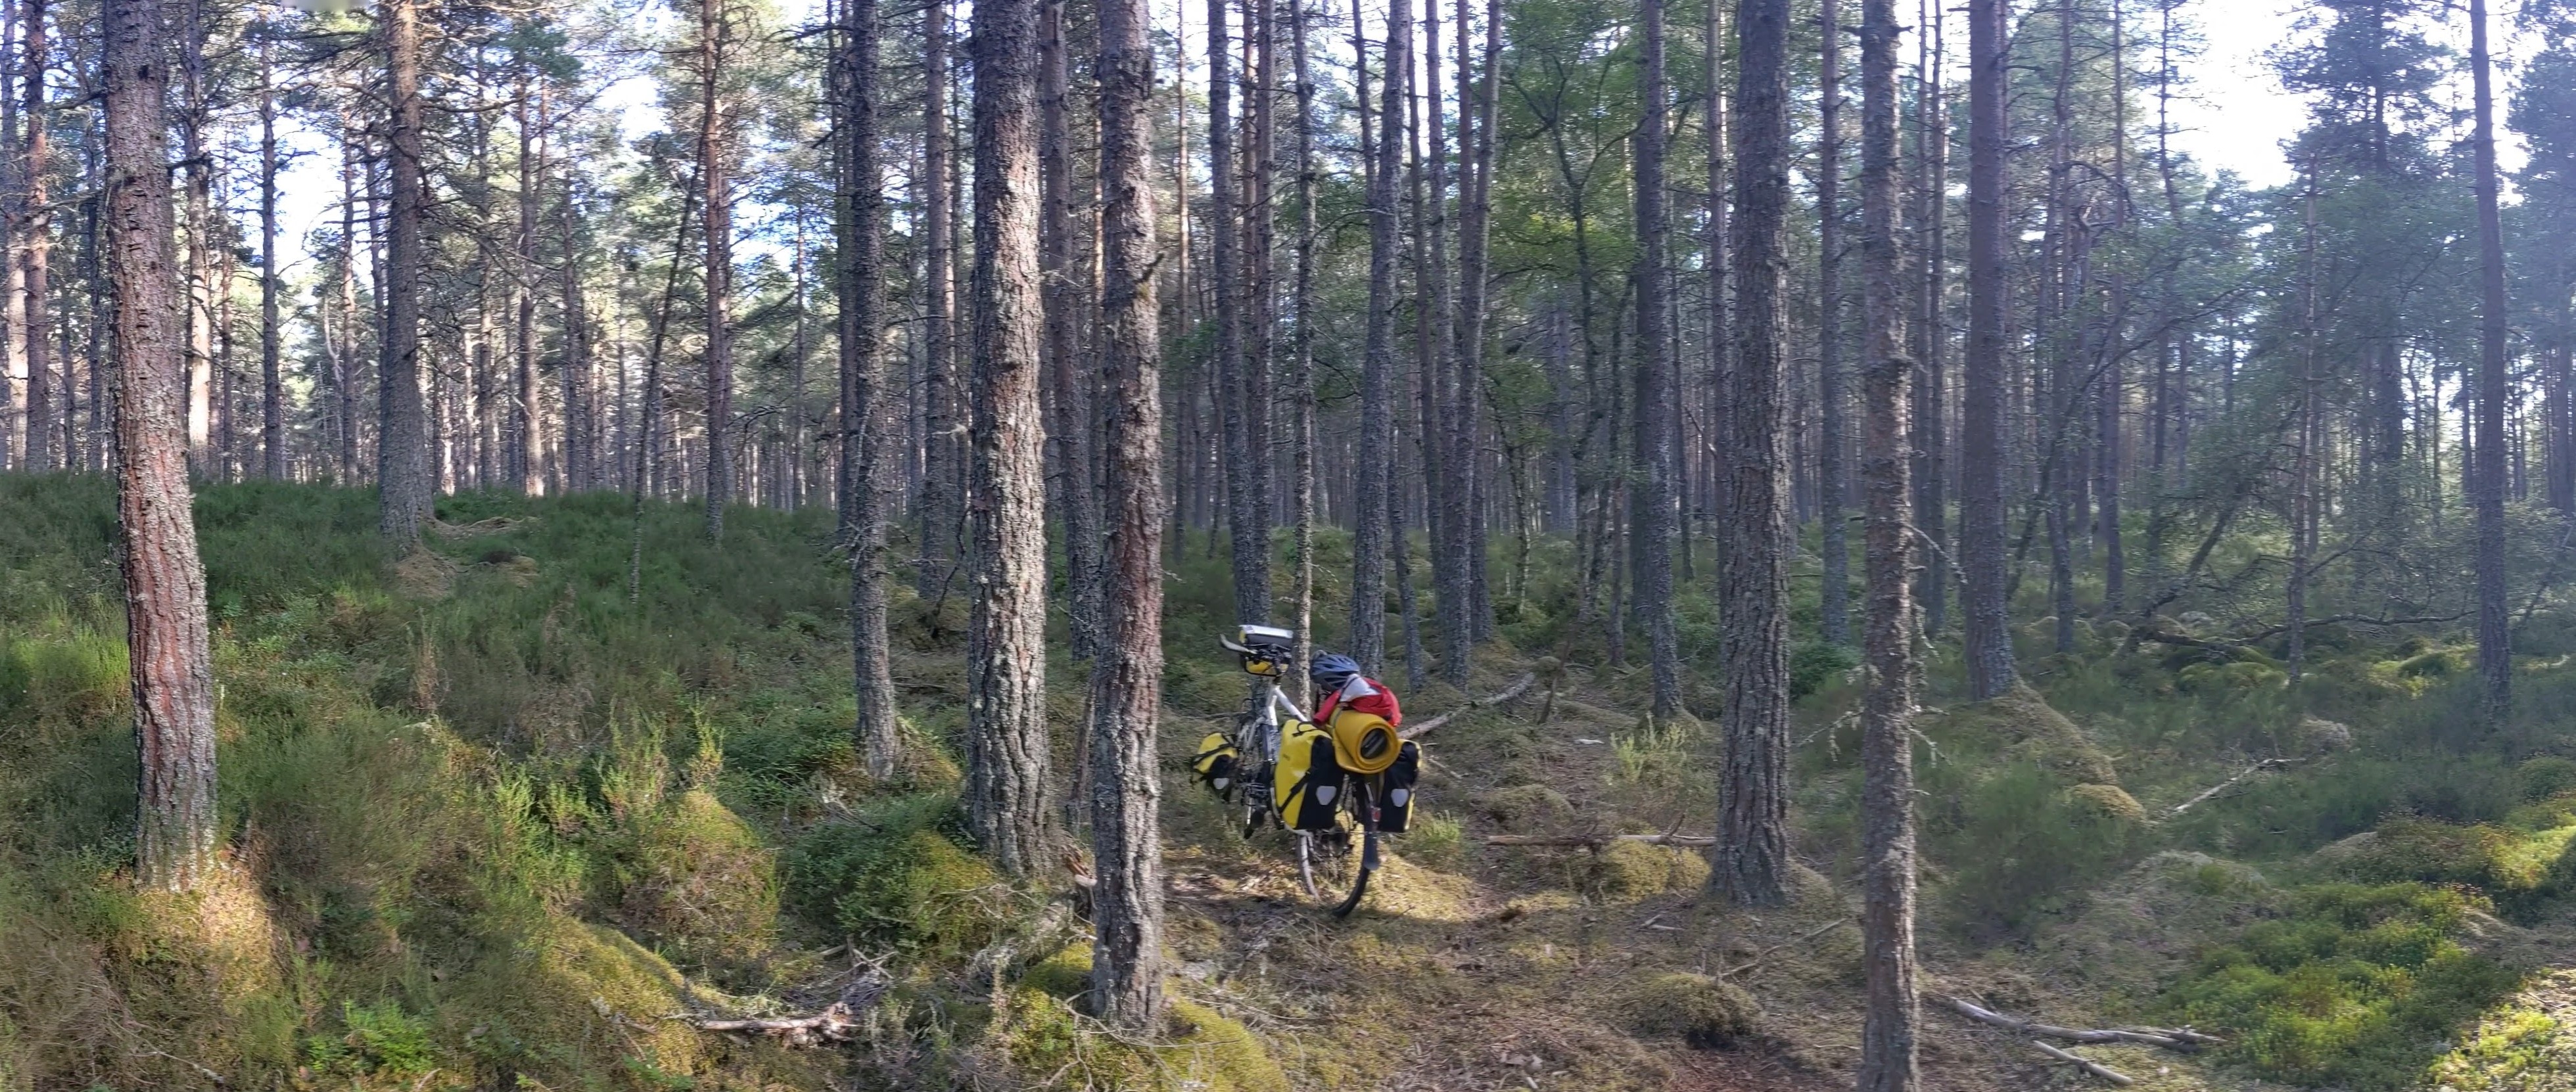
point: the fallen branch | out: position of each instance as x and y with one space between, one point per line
2086 1064
2223 786
1596 841
1776 949
837 1022
1518 687
2169 1038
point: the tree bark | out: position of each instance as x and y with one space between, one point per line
1006 731
34 213
1301 359
1126 681
1931 468
1752 856
717 208
1887 703
165 587
402 445
1247 522
859 279
1076 502
1655 500
527 447
2495 652
1369 545
1982 419
580 381
196 160
1475 221
943 488
1834 591
272 389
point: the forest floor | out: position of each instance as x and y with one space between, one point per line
498 822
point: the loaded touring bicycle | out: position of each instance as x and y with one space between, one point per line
1319 782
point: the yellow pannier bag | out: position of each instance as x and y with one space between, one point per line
1364 743
1216 762
1306 786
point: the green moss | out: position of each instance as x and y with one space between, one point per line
2357 986
1524 807
1634 870
2545 777
566 1001
1220 1055
1704 1011
701 881
2516 869
1038 1029
895 876
2108 802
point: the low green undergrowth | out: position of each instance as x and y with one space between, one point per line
2356 986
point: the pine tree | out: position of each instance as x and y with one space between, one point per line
1888 1029
1982 455
404 473
1007 756
1752 856
1126 680
2495 642
165 587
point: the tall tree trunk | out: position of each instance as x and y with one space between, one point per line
943 490
1720 325
1475 221
11 168
1301 359
1655 387
526 434
1247 524
272 388
1752 857
197 160
1887 1062
865 495
2495 652
34 215
165 587
580 383
1931 442
402 446
1006 730
1834 592
1259 162
344 360
1370 548
1982 418
1126 679
715 179
1066 311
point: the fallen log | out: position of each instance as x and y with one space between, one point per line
1597 841
1776 949
1518 687
838 1021
2207 794
2170 1038
2086 1064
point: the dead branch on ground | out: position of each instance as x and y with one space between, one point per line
2086 1064
1518 687
2183 1039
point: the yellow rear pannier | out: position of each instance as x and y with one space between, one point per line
1306 785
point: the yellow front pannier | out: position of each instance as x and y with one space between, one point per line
1216 762
1306 785
1364 743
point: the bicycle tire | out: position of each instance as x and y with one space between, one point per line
1359 890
